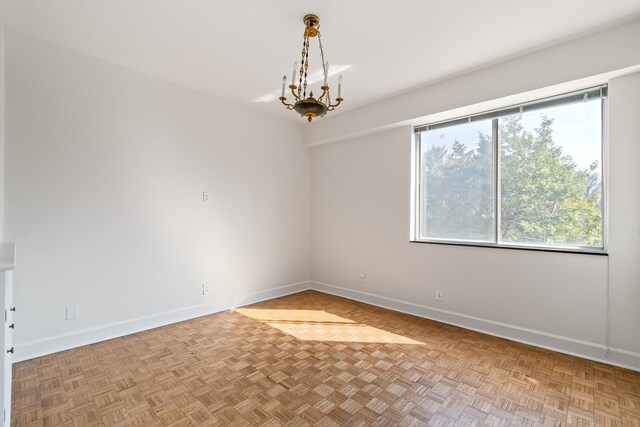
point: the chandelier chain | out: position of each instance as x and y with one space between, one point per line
324 67
304 48
306 68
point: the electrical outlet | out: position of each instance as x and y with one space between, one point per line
205 289
206 197
439 295
363 277
72 312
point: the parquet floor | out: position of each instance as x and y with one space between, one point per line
315 359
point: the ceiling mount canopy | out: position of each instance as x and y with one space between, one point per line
308 106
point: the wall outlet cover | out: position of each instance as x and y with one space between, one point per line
72 312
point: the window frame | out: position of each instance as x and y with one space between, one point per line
417 176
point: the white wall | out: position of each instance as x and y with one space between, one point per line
624 211
2 115
361 210
360 224
567 66
104 179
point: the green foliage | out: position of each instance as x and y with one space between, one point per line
544 197
459 191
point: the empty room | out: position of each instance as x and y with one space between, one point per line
320 213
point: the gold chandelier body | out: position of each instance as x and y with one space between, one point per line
308 106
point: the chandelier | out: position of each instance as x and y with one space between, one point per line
310 107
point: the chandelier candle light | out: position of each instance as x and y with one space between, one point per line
310 107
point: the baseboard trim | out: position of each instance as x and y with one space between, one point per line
566 345
267 294
584 349
54 344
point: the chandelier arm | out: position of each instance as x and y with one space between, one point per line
331 107
325 90
293 91
328 100
286 104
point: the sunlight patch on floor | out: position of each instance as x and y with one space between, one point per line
318 325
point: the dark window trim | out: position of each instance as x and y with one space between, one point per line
595 251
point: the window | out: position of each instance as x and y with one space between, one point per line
528 176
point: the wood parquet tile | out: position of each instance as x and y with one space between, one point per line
315 359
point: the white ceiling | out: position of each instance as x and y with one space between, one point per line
239 50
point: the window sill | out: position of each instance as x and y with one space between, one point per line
597 252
